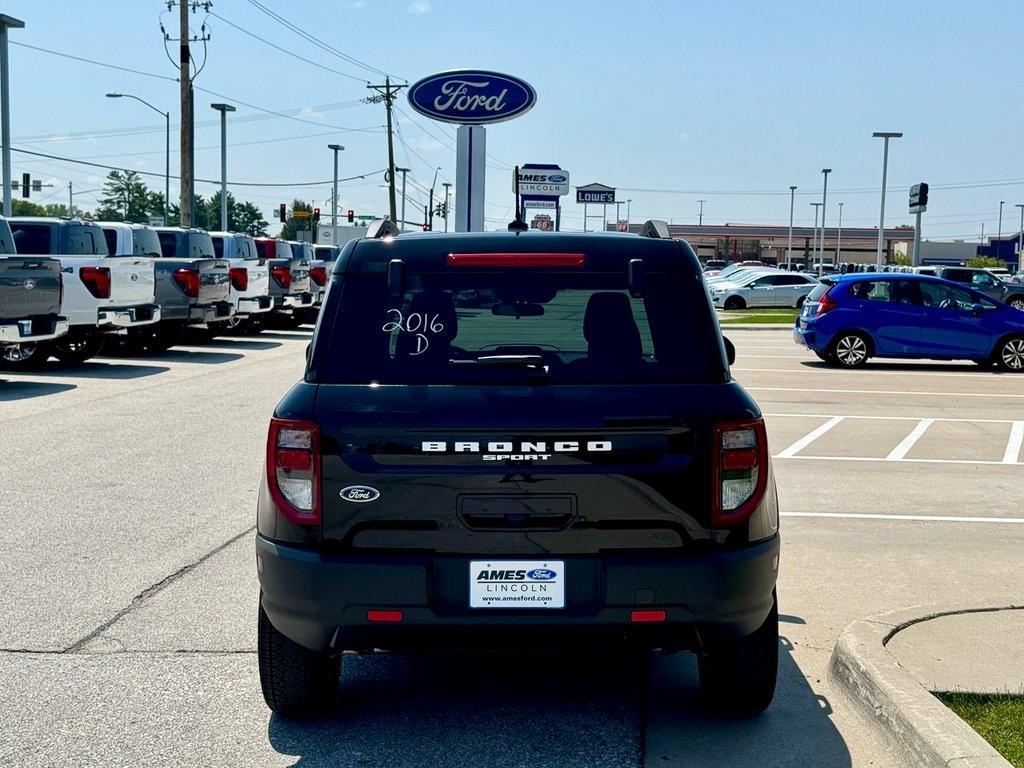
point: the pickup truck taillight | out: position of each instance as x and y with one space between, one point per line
188 281
740 471
97 280
319 275
293 469
240 278
283 275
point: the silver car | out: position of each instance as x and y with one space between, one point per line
775 289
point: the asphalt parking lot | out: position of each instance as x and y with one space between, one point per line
127 629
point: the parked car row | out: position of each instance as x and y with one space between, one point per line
740 287
67 286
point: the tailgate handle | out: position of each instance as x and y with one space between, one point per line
513 521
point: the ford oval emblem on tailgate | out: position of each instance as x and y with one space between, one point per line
359 494
30 284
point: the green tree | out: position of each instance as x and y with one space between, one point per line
247 217
985 262
125 198
900 259
20 207
293 225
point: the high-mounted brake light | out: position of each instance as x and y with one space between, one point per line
516 259
293 469
647 616
97 280
239 278
739 471
283 275
318 274
384 617
188 281
826 303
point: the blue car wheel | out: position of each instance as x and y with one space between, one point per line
849 349
1010 355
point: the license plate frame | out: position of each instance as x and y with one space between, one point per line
517 584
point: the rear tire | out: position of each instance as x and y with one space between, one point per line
737 675
849 350
75 348
800 302
1009 355
734 302
24 357
1016 301
296 681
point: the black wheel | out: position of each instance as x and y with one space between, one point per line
1009 354
166 335
850 350
824 356
76 347
1016 301
296 681
24 357
215 329
735 302
737 675
800 302
253 325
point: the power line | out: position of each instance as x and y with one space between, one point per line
97 63
204 181
285 50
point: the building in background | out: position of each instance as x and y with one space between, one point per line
1004 248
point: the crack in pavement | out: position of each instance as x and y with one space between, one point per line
151 591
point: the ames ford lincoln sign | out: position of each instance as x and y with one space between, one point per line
472 97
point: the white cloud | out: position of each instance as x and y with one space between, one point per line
425 143
308 113
418 6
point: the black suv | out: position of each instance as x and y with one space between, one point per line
506 440
984 281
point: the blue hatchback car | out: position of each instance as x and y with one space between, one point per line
858 316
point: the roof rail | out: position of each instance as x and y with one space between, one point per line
656 228
380 228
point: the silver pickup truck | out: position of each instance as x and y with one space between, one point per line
250 280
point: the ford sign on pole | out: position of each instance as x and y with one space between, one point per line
472 97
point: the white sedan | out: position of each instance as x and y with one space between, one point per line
776 289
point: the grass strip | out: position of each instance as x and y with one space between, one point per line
999 718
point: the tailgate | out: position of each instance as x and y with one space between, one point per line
466 470
259 277
300 275
132 281
29 286
214 280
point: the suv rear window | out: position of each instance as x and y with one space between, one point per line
522 328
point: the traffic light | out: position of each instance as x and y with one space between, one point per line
351 216
26 185
316 215
283 212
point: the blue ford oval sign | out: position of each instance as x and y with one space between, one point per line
472 97
541 574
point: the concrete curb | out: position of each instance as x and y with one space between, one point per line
726 327
931 733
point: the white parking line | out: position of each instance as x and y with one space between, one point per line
1014 443
957 374
886 418
809 438
902 518
911 393
901 450
899 461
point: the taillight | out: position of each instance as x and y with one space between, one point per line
319 275
97 280
826 303
283 275
293 469
239 278
740 471
188 281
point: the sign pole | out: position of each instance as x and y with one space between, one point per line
916 258
470 164
584 217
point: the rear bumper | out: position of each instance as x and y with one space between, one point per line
129 317
321 601
804 337
296 300
211 313
33 329
255 305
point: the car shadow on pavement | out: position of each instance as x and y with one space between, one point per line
23 390
236 342
97 369
541 711
299 335
902 367
796 730
175 355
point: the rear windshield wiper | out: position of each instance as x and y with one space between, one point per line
532 364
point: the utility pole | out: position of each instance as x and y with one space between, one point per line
447 191
185 95
403 171
789 245
6 23
387 93
335 148
700 214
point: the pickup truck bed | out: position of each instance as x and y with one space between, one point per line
30 299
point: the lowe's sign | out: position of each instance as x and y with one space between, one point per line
472 97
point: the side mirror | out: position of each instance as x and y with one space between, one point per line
730 351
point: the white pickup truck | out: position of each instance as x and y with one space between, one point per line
250 281
103 294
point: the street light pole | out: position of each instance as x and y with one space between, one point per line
886 135
223 109
814 248
629 200
336 148
1020 237
447 189
700 213
430 214
404 171
839 237
999 232
824 197
167 148
789 243
6 23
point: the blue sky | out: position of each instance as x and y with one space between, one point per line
702 100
